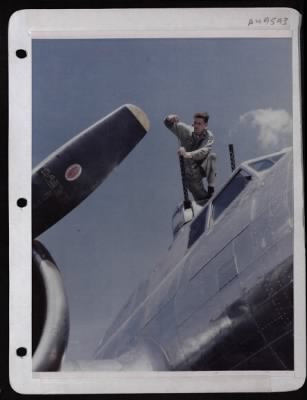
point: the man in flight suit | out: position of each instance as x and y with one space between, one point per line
196 143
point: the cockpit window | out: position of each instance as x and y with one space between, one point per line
230 192
277 157
265 163
198 227
261 165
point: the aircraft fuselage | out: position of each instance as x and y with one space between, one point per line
223 296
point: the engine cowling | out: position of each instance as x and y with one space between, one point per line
50 316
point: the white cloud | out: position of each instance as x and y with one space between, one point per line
274 127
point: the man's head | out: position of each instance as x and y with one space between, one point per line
200 122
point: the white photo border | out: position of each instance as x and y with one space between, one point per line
26 25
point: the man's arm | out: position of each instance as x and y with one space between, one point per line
180 129
203 151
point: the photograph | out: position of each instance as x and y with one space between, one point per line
156 201
162 204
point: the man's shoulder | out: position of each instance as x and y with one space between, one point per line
209 133
182 129
184 126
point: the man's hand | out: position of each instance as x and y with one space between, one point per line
173 118
182 152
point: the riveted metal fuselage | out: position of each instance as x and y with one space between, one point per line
223 300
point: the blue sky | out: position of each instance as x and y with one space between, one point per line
111 241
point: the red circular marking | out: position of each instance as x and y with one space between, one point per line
73 172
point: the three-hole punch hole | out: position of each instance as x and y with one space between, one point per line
22 202
21 351
21 53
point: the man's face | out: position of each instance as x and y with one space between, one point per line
199 125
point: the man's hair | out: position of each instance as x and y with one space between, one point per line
202 115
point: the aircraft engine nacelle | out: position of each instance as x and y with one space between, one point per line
50 318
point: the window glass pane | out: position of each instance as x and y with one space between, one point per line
229 193
277 157
261 165
198 227
266 163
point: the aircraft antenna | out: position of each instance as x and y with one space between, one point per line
186 200
232 157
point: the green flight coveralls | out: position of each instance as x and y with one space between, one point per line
202 163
